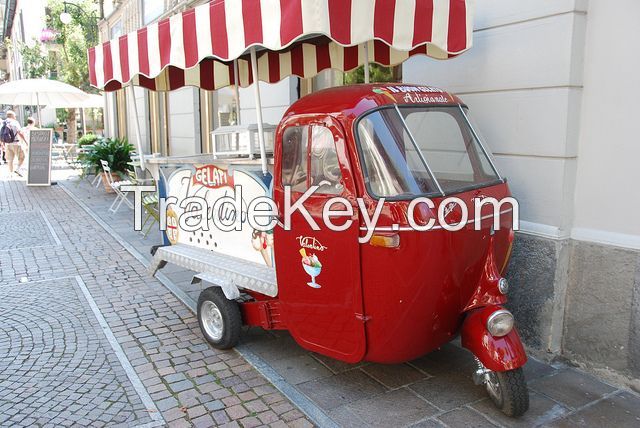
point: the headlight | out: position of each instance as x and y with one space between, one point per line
503 285
500 323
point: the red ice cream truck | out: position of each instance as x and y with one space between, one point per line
392 297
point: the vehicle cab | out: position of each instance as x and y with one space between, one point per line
397 143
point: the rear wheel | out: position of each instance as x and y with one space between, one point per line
219 318
508 391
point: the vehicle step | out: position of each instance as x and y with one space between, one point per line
242 273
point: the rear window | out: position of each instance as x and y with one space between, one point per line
412 151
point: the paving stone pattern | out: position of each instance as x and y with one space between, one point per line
190 383
55 366
23 230
433 391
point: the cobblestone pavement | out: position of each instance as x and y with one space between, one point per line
26 229
432 391
45 352
87 338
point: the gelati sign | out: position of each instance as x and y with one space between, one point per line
39 162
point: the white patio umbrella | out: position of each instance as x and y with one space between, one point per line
40 92
92 101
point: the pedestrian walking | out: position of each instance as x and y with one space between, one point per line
11 136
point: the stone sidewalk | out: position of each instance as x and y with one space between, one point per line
433 391
88 339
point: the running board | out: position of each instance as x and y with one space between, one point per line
241 273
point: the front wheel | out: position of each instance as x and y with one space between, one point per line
508 391
219 318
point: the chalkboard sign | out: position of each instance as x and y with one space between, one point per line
39 163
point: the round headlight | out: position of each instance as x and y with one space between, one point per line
503 285
500 323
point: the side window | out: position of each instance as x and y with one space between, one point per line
322 159
325 168
294 157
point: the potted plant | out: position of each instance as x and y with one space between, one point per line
88 139
117 153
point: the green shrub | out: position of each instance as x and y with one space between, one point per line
117 153
88 139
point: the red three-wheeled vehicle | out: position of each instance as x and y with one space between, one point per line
403 292
384 292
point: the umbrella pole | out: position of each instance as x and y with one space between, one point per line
236 89
136 125
39 112
256 89
366 62
84 122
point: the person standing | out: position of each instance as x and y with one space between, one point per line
10 135
26 134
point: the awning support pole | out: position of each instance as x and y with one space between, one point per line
136 125
236 89
366 62
256 90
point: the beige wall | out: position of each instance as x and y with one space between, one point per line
609 152
523 80
184 121
554 86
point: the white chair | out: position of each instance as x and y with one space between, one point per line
116 186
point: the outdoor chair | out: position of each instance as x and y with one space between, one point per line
121 196
150 205
149 202
86 168
136 177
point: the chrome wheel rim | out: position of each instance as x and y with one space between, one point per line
212 320
493 386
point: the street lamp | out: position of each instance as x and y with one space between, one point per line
66 18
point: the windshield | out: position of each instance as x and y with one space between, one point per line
411 151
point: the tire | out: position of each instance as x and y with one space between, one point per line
219 318
508 391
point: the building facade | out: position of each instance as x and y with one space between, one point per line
23 22
552 86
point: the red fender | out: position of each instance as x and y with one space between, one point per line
496 353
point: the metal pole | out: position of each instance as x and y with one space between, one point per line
236 89
136 125
39 112
256 90
366 62
84 122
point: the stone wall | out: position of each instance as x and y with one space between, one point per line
602 311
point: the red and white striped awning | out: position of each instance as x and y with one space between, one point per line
292 37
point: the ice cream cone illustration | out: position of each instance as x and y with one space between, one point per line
312 266
261 241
